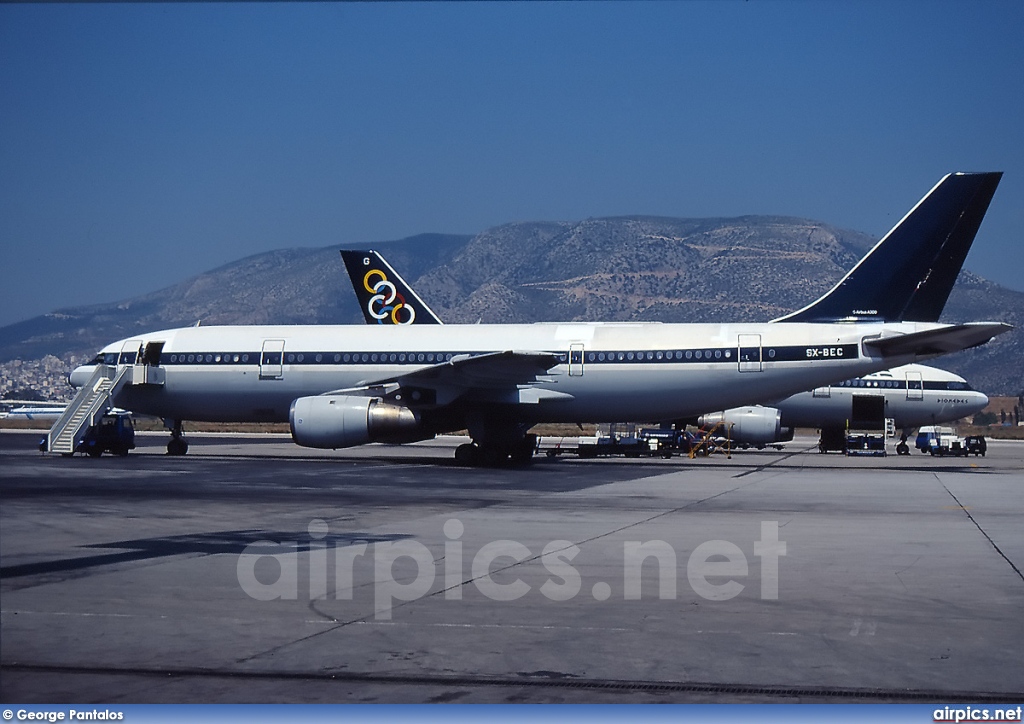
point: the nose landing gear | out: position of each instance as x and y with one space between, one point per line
177 445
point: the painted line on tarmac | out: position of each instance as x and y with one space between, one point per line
977 525
787 456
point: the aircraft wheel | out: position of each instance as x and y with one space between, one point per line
523 453
467 454
492 457
177 446
520 458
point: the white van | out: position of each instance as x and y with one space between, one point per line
939 440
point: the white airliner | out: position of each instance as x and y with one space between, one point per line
341 386
913 395
32 410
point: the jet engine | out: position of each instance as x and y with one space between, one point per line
334 421
757 425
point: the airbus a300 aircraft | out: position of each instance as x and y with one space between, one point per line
913 395
341 386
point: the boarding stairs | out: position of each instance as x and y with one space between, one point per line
93 401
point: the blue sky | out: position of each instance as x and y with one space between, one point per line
142 144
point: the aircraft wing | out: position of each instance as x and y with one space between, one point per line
495 376
491 370
938 341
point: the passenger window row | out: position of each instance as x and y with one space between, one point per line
727 354
902 385
662 355
430 357
277 358
885 384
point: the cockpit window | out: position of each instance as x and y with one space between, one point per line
957 386
110 358
97 360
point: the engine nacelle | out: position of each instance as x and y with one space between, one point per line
333 421
751 425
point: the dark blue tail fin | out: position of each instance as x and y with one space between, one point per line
908 275
383 295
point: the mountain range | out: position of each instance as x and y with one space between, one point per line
751 269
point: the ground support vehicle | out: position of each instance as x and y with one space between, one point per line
949 445
976 445
930 436
612 439
865 443
622 439
867 430
115 434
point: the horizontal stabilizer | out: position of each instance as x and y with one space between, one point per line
938 341
908 275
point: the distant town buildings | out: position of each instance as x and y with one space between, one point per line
47 376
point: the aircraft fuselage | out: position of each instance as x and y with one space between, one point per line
914 395
607 371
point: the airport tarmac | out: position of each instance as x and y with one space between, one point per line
392 575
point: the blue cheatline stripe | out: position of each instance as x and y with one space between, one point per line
703 355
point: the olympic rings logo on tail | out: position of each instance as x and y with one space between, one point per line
386 303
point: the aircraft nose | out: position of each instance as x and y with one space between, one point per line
977 401
80 375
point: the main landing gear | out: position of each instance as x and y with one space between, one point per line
497 444
178 445
521 454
